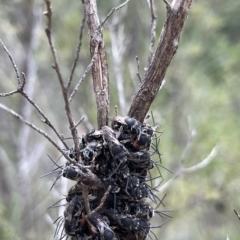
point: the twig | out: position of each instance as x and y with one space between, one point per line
48 31
203 163
194 168
237 213
138 69
86 120
153 31
45 119
88 215
113 10
14 65
102 200
167 3
19 117
20 89
8 94
84 74
82 118
77 51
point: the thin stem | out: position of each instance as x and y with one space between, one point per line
194 168
77 51
20 89
14 65
84 74
113 10
48 31
82 118
19 117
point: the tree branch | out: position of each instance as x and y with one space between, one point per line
237 213
194 168
19 117
99 69
77 51
167 46
48 31
84 74
113 10
20 89
14 65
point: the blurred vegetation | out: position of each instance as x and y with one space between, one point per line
201 91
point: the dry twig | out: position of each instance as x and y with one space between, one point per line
20 89
237 213
77 51
182 170
48 31
114 10
19 117
84 74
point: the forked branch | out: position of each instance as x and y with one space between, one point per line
20 89
19 117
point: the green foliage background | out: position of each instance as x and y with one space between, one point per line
201 88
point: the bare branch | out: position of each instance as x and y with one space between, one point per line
48 31
113 10
194 168
82 118
237 213
45 118
14 65
99 69
203 163
167 3
101 203
20 90
103 199
77 51
167 47
86 120
8 94
19 117
84 74
138 69
153 30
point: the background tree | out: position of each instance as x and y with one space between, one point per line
209 51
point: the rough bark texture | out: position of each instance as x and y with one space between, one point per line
100 68
176 15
